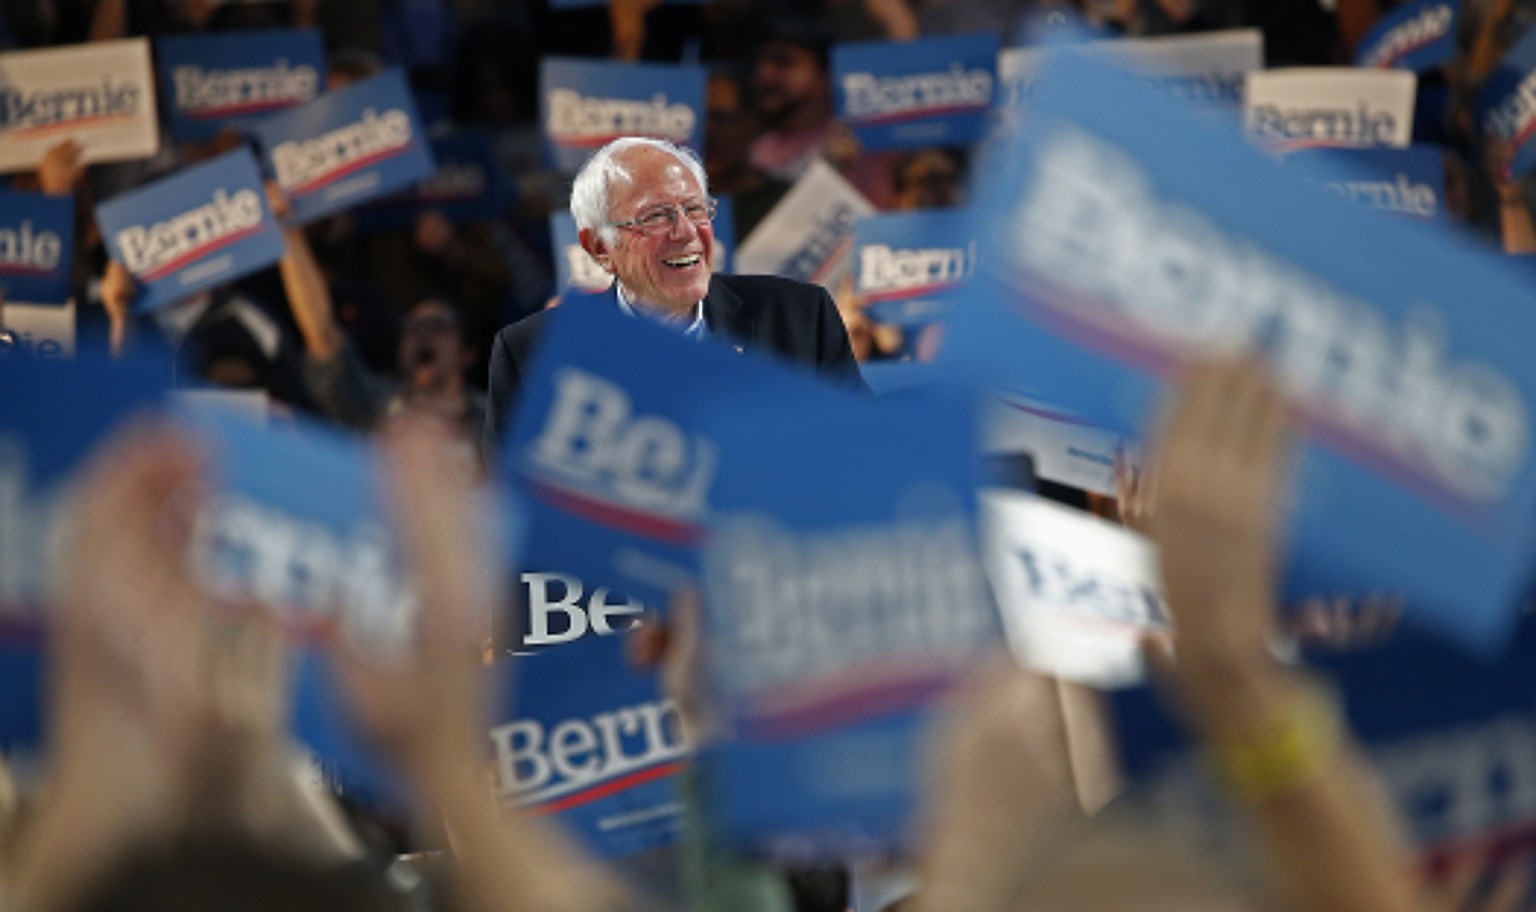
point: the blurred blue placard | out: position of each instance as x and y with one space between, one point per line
910 266
843 593
347 147
1416 36
203 226
1506 107
586 103
1122 236
37 247
231 80
467 186
928 92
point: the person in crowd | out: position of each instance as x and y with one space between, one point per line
643 211
433 354
929 178
792 80
731 120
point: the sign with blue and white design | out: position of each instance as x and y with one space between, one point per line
587 103
467 186
1506 107
1408 183
1329 107
1416 36
37 246
1124 237
592 743
230 80
1451 739
809 235
347 147
100 94
928 92
322 556
200 227
1207 69
843 594
910 266
618 472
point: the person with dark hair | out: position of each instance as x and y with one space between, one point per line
731 120
793 82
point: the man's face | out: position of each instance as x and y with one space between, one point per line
668 269
431 347
788 78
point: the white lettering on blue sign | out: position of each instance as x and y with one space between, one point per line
23 249
301 163
573 117
550 594
1091 223
1403 196
147 250
1511 119
593 439
1330 126
883 268
1429 25
802 604
199 90
23 110
307 572
871 96
534 765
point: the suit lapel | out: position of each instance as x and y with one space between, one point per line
725 315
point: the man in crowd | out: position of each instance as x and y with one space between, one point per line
643 212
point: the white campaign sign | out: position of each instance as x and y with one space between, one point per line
1076 592
809 234
101 95
1329 107
43 330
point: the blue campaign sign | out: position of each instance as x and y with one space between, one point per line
231 80
1416 36
1123 236
618 472
843 593
910 266
1506 107
347 147
321 553
929 92
587 103
1452 739
200 227
1409 183
37 247
467 186
591 742
724 227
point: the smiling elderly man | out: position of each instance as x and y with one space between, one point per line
643 210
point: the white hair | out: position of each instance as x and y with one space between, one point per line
589 190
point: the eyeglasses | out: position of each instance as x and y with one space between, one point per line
663 219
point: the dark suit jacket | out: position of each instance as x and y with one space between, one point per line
796 321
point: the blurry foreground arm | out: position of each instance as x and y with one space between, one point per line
1327 841
428 712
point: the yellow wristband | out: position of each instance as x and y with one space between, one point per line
1293 748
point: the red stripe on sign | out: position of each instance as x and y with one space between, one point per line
332 177
100 120
193 256
608 788
915 291
916 114
24 269
235 110
604 513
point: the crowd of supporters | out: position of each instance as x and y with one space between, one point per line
169 781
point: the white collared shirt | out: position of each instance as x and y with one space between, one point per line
694 330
